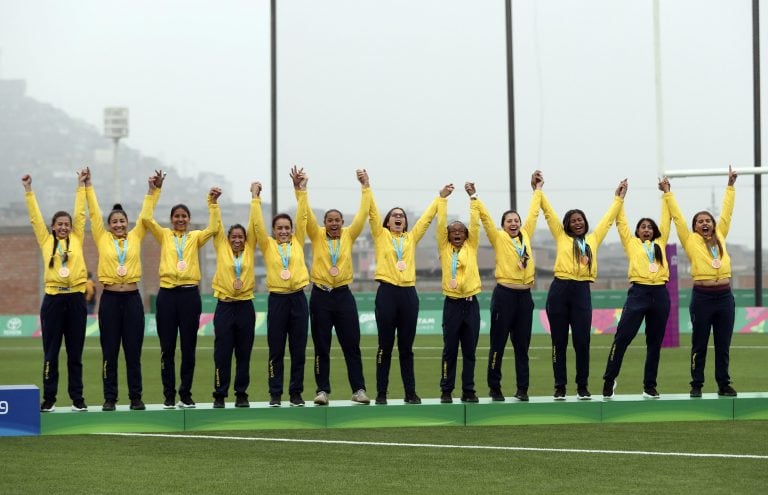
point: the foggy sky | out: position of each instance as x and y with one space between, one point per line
412 90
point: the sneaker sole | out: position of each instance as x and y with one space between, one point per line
79 409
584 397
53 408
649 396
559 398
274 405
361 402
181 405
613 391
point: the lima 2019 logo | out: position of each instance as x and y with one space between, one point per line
13 327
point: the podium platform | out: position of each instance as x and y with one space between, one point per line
345 414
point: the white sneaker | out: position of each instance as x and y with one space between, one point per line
360 397
321 399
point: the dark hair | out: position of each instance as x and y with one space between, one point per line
279 216
117 209
714 228
504 216
183 207
567 227
656 235
237 226
389 214
64 256
333 210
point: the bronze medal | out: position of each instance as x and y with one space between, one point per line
285 274
181 265
585 260
401 265
63 272
521 265
715 263
453 283
653 267
237 284
122 270
334 271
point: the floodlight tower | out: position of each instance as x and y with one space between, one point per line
115 128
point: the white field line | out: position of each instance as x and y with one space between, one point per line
439 446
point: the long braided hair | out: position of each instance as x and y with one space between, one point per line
64 256
576 249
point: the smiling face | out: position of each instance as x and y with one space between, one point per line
396 221
704 224
333 223
118 224
511 223
575 224
646 230
61 225
236 239
281 230
457 234
180 219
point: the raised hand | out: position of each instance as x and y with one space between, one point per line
26 181
470 188
446 190
214 194
362 177
255 189
731 176
664 185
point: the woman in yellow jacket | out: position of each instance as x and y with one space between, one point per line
332 304
397 303
63 311
178 305
234 320
647 299
712 305
287 275
511 302
569 301
457 247
121 311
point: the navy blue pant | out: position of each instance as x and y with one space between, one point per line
569 304
234 323
511 317
287 316
649 302
121 319
397 312
336 309
461 325
178 314
63 317
715 311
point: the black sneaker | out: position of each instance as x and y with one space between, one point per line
726 391
469 396
137 405
650 393
560 392
695 391
241 400
496 395
412 398
445 398
381 399
296 399
48 406
521 394
274 400
109 405
169 403
218 402
583 394
608 388
78 405
186 403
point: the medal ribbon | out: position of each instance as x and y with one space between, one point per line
520 249
121 253
285 256
61 255
398 249
334 253
582 246
713 250
238 261
454 263
647 245
180 249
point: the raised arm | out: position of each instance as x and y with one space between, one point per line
537 184
422 224
729 200
441 230
257 217
677 216
358 223
214 216
146 217
665 219
300 180
35 217
610 216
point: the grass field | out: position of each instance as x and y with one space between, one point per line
688 457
